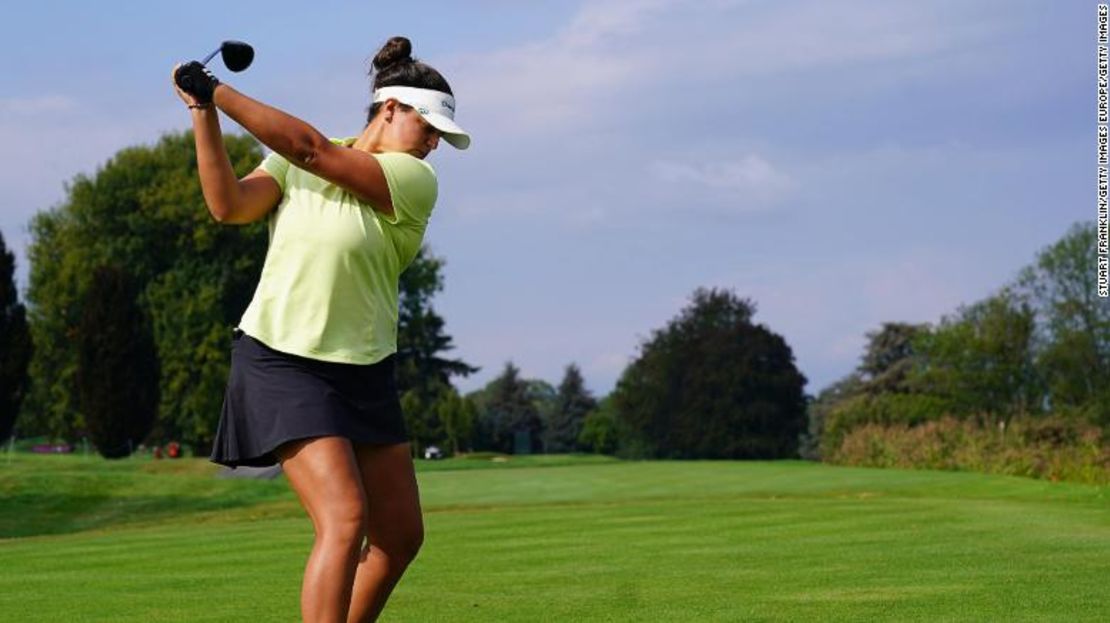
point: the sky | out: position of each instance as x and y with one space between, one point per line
841 164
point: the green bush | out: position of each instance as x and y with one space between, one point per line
599 432
880 409
1053 448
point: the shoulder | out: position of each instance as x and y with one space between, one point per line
395 160
409 177
407 163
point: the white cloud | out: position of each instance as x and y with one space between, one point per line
597 65
751 176
598 21
564 78
808 36
543 86
609 364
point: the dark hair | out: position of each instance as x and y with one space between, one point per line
394 66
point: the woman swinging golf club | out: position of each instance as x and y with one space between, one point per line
312 362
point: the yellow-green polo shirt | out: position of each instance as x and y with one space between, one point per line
328 288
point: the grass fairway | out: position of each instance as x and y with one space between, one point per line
567 539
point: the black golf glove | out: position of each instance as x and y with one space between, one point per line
196 80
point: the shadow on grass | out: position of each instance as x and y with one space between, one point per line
36 514
45 495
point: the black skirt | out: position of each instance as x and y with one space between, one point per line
274 397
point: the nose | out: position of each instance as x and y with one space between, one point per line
433 141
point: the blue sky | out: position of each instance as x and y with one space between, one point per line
842 164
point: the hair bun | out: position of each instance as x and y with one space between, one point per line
396 50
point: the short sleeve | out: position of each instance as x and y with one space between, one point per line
277 166
412 187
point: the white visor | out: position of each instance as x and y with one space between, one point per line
437 108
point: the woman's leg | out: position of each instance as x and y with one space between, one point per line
395 526
324 473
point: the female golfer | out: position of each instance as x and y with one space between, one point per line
312 361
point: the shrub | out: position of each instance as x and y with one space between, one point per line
882 410
1053 448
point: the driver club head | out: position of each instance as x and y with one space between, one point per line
237 55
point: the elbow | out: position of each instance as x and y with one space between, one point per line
224 206
221 214
306 151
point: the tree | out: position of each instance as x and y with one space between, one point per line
886 387
818 411
509 419
117 366
887 368
711 384
978 361
423 373
982 360
890 357
544 400
144 210
459 416
421 340
600 431
1040 342
422 421
1073 337
564 424
15 344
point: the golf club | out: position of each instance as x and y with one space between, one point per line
237 55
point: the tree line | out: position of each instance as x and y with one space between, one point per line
1033 357
711 384
134 291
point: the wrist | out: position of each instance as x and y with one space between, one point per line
200 112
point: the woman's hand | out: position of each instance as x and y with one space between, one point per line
194 83
185 97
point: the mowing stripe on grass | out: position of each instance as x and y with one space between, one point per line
671 541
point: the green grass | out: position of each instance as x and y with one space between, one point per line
567 539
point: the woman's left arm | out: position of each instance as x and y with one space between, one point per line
355 171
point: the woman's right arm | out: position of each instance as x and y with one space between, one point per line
230 200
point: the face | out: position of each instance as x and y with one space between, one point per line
409 132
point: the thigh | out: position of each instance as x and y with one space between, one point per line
389 479
325 474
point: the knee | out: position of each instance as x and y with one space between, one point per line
344 524
403 547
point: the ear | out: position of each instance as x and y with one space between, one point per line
389 107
